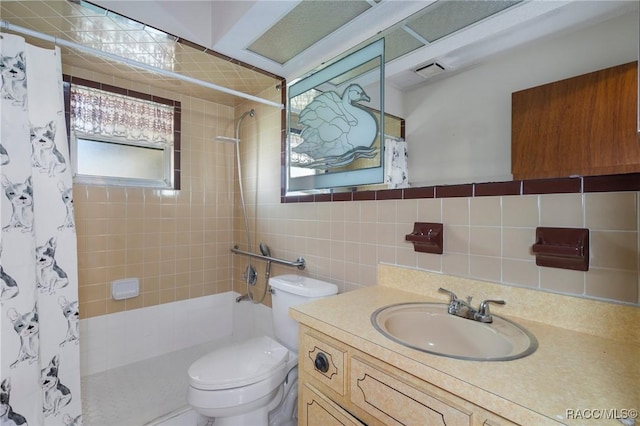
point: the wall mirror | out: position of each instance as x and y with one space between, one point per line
458 120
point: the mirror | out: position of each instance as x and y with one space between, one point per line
458 122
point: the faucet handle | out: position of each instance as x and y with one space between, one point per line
451 294
484 314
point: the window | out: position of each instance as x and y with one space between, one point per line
121 137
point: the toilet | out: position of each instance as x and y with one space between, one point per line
254 382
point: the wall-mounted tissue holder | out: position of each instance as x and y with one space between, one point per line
566 248
426 237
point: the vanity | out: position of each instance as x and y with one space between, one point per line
585 370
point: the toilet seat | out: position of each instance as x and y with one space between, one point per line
237 365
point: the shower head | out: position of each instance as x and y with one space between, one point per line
265 250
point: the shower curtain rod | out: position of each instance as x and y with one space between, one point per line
61 42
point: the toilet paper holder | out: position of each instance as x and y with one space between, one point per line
427 237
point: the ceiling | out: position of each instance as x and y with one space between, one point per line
225 41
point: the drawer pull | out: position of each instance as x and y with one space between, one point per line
321 362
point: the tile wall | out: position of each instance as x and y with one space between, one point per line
485 237
176 242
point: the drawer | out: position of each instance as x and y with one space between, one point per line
397 403
323 361
318 410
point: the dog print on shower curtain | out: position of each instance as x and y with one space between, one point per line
40 357
72 314
21 197
67 198
13 71
51 277
46 156
27 327
4 156
69 420
8 286
56 395
7 415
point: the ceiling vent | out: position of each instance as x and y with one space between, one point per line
430 70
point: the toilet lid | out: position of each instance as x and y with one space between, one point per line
238 364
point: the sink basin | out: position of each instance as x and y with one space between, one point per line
428 327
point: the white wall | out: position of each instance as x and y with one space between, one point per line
459 129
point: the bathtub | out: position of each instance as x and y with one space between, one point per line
135 363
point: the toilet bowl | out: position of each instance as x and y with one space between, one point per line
242 383
239 378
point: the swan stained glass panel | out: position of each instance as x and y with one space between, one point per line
335 123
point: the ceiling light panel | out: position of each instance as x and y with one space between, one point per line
448 16
299 29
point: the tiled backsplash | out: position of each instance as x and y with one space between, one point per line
485 238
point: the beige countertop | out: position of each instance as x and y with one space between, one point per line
571 371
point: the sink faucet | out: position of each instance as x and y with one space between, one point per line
463 309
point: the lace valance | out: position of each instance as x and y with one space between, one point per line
100 113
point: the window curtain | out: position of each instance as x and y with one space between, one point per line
40 355
97 112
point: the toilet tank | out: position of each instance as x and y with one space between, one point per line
288 291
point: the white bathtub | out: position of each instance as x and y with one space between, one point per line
135 363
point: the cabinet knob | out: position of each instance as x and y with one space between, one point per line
321 362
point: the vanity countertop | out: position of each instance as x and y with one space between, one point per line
571 374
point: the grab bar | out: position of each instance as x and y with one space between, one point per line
298 263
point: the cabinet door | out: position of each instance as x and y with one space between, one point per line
395 402
585 125
318 410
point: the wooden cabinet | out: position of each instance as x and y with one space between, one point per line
342 385
586 125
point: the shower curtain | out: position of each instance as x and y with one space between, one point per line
396 174
40 356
